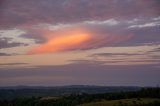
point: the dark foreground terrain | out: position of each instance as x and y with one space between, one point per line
40 91
80 96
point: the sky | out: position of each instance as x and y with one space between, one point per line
80 42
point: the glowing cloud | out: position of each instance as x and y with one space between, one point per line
62 42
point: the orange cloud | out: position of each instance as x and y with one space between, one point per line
62 42
75 38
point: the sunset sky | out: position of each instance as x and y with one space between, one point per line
80 42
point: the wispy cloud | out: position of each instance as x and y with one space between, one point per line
151 24
116 54
8 64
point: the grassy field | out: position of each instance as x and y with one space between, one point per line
122 101
50 98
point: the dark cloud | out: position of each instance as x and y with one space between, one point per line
116 54
5 54
35 36
25 13
12 64
6 43
144 30
145 35
156 50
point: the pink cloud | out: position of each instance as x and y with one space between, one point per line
75 39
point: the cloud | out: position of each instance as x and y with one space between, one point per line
107 22
20 13
8 64
34 36
66 41
110 22
116 54
6 54
5 43
12 38
76 38
155 51
152 24
104 33
145 35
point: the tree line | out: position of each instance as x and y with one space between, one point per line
76 99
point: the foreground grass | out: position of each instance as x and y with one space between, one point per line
122 102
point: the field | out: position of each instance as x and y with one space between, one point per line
122 102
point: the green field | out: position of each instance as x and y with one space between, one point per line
122 102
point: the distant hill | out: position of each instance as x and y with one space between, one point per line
143 97
12 92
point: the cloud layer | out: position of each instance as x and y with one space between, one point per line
22 13
85 72
108 22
